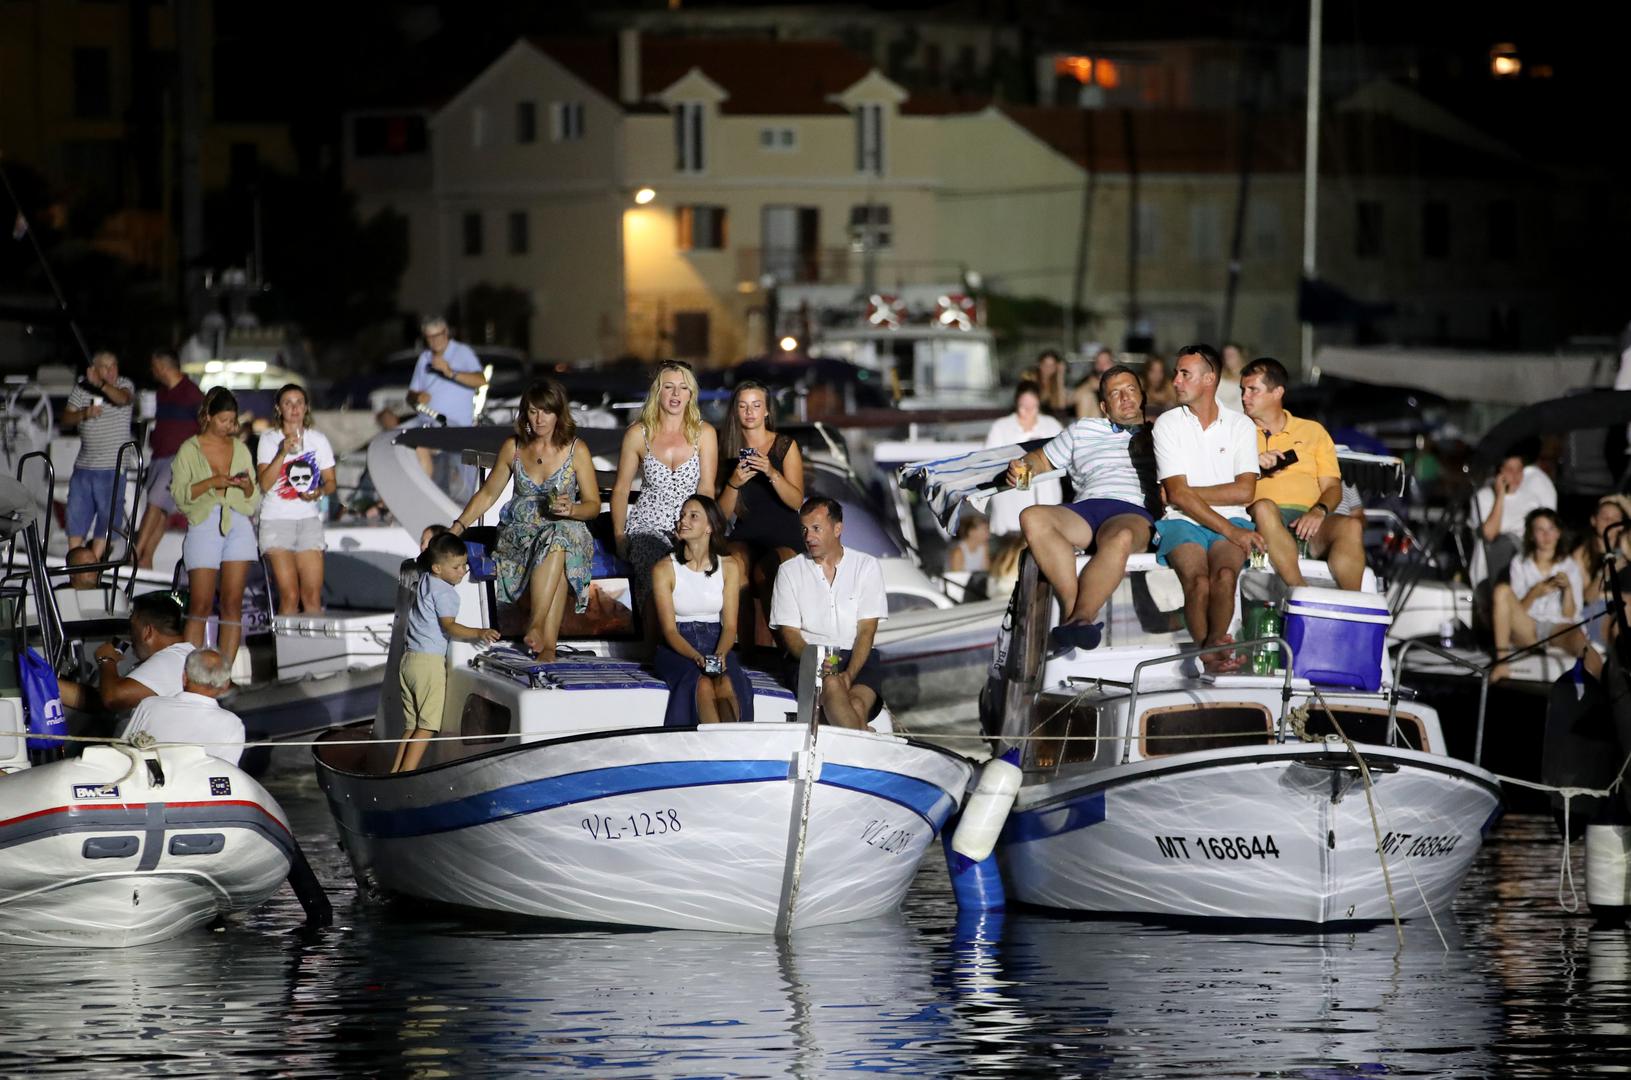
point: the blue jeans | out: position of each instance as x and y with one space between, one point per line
90 492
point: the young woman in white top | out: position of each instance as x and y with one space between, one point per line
1546 594
1025 423
295 468
695 592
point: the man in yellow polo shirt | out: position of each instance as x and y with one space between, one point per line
1300 486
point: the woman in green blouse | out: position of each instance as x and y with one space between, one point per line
213 482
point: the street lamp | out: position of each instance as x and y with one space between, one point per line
643 196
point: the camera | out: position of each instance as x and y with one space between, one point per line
713 665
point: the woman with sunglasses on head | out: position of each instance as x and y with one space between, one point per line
212 480
675 454
295 467
762 488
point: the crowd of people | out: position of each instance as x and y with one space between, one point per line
724 549
1202 485
1537 580
704 571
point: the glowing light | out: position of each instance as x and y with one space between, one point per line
1088 70
789 344
1504 62
643 196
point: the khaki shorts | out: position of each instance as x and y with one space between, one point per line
424 688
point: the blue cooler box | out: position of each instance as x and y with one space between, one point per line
1337 637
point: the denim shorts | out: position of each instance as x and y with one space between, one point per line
1175 532
90 491
206 549
292 534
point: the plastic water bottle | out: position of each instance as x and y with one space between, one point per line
987 809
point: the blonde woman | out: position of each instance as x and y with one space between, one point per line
676 455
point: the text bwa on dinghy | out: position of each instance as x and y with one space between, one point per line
1150 789
557 792
122 845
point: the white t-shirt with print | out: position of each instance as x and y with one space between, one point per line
301 472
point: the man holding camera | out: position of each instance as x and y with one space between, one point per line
1300 485
100 407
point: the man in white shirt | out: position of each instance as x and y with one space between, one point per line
152 668
194 715
830 596
1500 509
1206 460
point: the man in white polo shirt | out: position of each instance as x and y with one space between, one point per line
194 715
830 596
1206 460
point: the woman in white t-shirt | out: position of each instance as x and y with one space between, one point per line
1025 423
1546 594
296 469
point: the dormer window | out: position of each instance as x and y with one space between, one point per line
688 135
869 139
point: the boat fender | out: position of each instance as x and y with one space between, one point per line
986 811
977 885
1608 872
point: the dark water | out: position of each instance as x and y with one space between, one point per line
1524 989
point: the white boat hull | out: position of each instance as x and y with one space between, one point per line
692 829
95 850
1280 834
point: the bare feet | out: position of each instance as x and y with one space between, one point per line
538 644
1221 663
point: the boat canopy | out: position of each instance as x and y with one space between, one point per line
1585 411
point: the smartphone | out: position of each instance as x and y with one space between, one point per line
713 665
1289 457
745 453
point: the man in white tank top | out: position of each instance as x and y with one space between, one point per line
831 596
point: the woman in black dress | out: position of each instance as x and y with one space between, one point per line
761 489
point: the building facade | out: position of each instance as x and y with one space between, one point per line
650 196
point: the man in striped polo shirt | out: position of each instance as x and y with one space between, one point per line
100 408
1112 474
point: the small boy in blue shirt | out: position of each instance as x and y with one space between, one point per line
431 622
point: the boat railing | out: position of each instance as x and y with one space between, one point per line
124 532
1481 670
1199 651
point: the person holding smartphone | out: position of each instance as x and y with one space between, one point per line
761 490
213 482
694 591
1300 486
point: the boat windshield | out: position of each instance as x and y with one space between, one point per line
1147 609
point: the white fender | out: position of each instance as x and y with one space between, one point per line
987 809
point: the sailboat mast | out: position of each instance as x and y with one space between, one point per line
1311 171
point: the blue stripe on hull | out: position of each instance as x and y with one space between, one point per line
532 796
1055 820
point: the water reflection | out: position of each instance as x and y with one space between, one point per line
394 991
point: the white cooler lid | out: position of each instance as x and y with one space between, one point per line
1338 604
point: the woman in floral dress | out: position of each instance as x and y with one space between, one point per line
544 547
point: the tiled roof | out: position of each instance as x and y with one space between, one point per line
762 77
